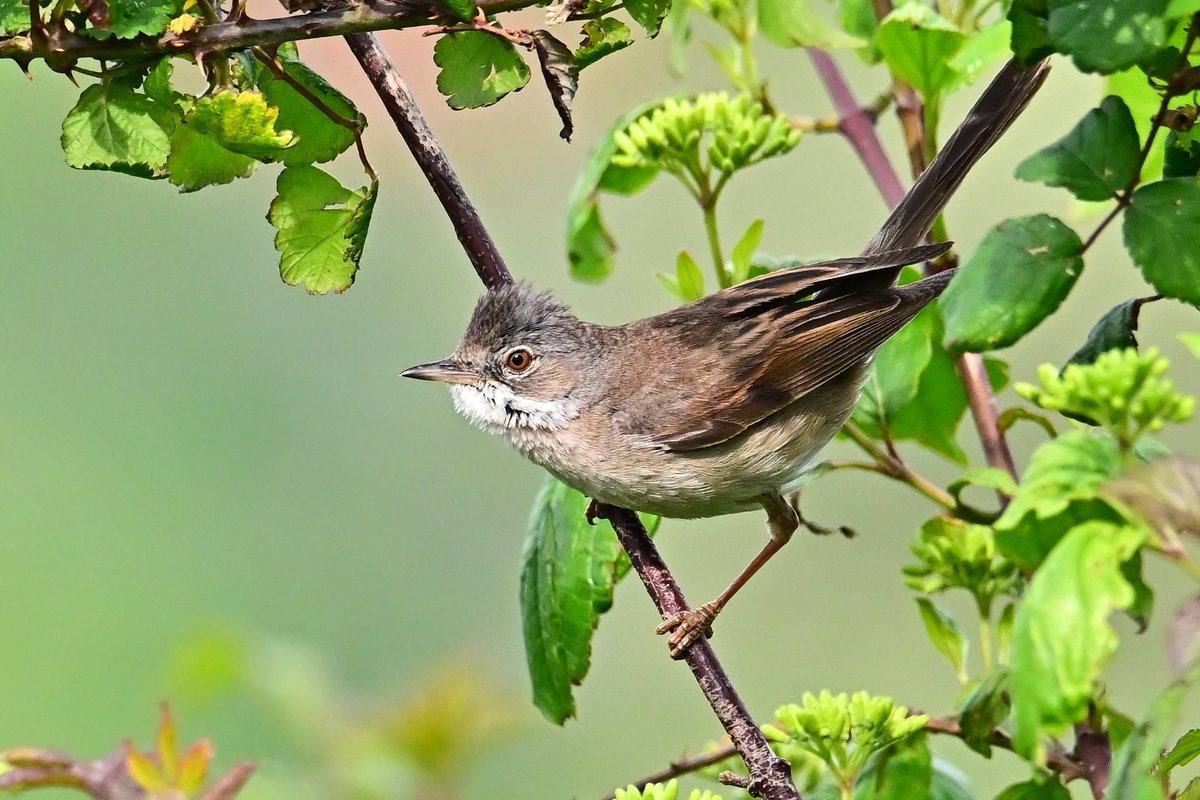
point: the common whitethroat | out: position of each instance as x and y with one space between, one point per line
720 405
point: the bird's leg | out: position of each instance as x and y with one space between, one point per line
686 627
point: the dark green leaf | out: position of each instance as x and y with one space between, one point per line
648 13
1181 154
945 636
601 37
1162 233
1061 637
1027 541
1143 101
568 572
113 128
159 88
129 18
318 138
197 161
1107 35
1050 788
1143 596
985 708
896 372
857 18
918 44
1096 160
791 23
14 17
242 122
1132 776
1020 273
322 228
560 74
477 68
902 773
1113 331
1030 37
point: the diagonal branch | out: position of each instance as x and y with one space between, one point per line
770 776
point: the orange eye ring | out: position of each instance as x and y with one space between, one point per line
518 359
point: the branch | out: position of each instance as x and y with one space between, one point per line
771 777
237 33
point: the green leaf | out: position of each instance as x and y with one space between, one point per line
918 44
1030 37
1143 101
981 50
896 373
159 88
113 128
14 17
901 774
1181 8
568 571
589 245
1073 466
1181 154
318 138
743 251
1107 35
130 18
601 37
791 23
1048 788
462 9
945 636
1061 637
322 228
477 68
1096 160
197 161
648 13
1182 753
242 122
1113 331
1132 776
688 278
1162 233
1020 273
985 708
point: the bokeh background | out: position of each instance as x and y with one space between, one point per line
214 489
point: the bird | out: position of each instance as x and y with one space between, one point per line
721 405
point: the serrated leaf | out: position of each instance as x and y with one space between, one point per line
1115 330
1020 274
1062 637
1030 37
648 13
984 709
1073 466
241 122
568 571
1162 233
130 18
688 278
322 228
14 17
1048 788
477 68
743 252
317 137
560 74
919 44
462 9
113 128
601 37
1107 35
197 161
1096 160
944 635
792 23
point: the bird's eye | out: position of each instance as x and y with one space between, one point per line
518 360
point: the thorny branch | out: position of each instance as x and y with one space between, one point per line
770 775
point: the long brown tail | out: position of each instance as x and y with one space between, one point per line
1004 99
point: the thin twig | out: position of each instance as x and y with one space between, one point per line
771 777
893 466
684 766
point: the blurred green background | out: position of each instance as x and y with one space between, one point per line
217 492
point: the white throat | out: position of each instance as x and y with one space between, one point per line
496 408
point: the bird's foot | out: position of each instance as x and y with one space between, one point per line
595 510
686 627
812 527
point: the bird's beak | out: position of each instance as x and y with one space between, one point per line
445 371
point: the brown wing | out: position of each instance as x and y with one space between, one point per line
766 348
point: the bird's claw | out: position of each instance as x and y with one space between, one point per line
686 627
